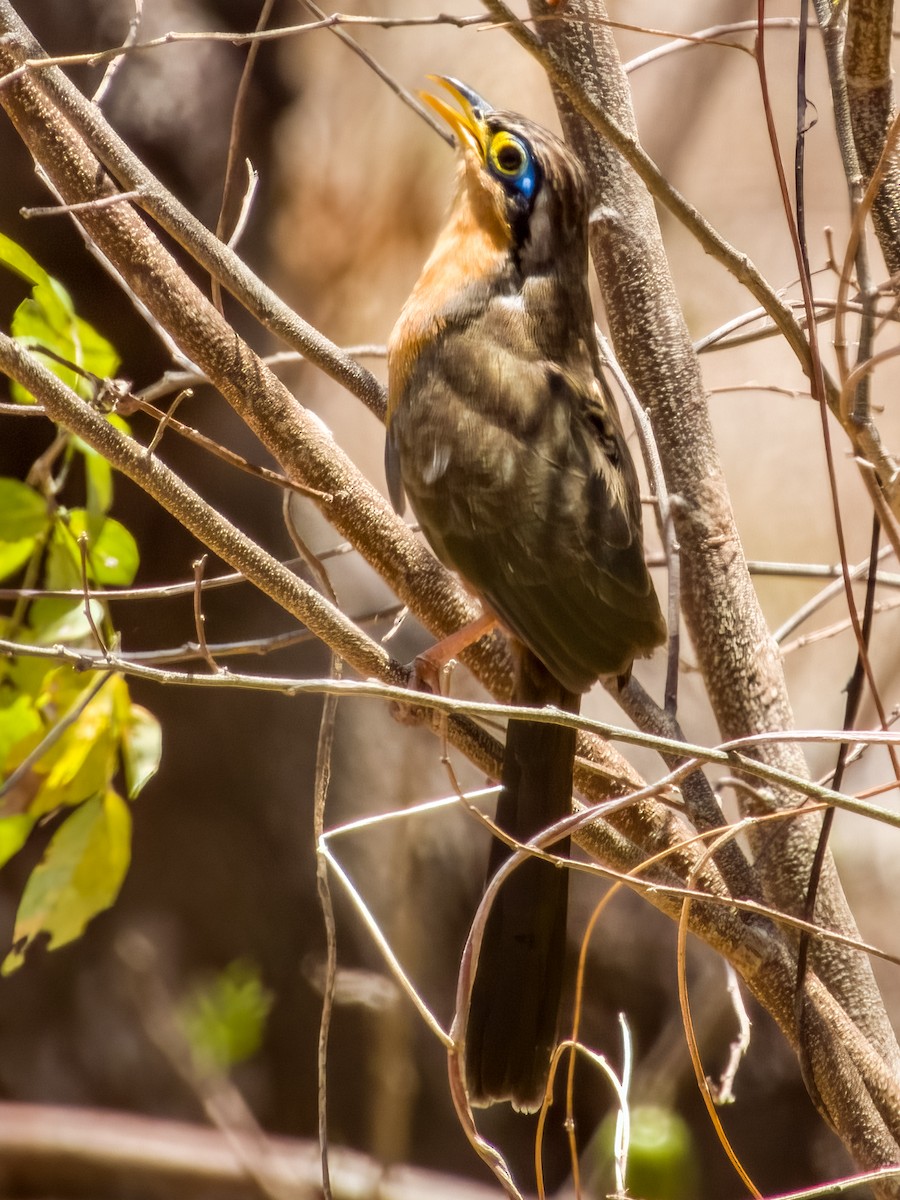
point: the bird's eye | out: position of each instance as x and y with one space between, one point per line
508 155
512 162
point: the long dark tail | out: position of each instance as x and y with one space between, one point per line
511 1030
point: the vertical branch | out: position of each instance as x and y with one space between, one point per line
740 663
870 89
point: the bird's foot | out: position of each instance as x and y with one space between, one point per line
430 670
427 674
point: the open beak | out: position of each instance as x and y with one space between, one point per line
469 125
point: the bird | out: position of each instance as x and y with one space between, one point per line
505 439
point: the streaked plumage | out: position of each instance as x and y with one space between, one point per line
508 445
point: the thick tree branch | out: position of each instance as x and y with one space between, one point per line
853 1044
296 439
740 663
222 263
200 518
614 126
300 443
633 833
870 89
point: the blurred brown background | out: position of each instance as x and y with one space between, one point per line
353 187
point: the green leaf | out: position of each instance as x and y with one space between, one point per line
13 255
24 517
113 555
23 511
662 1163
62 567
96 353
112 559
38 325
80 769
47 319
14 555
80 875
98 476
63 621
224 1017
14 833
27 674
51 695
83 761
55 298
19 720
42 322
141 748
62 687
119 422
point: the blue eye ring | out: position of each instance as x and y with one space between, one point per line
511 161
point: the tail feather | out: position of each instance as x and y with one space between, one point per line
512 1024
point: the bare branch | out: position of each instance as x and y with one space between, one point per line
47 1139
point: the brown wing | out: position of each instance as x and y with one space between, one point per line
519 474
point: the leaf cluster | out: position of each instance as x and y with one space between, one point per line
74 747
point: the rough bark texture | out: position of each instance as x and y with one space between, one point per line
739 661
867 64
851 1048
48 112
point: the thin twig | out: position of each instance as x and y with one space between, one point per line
63 210
707 37
167 421
237 38
732 755
234 139
324 751
83 548
134 29
404 94
199 566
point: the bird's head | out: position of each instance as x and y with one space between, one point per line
518 181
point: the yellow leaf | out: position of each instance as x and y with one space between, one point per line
80 875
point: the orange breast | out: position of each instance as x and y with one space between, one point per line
474 245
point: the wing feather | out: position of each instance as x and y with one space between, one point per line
536 504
